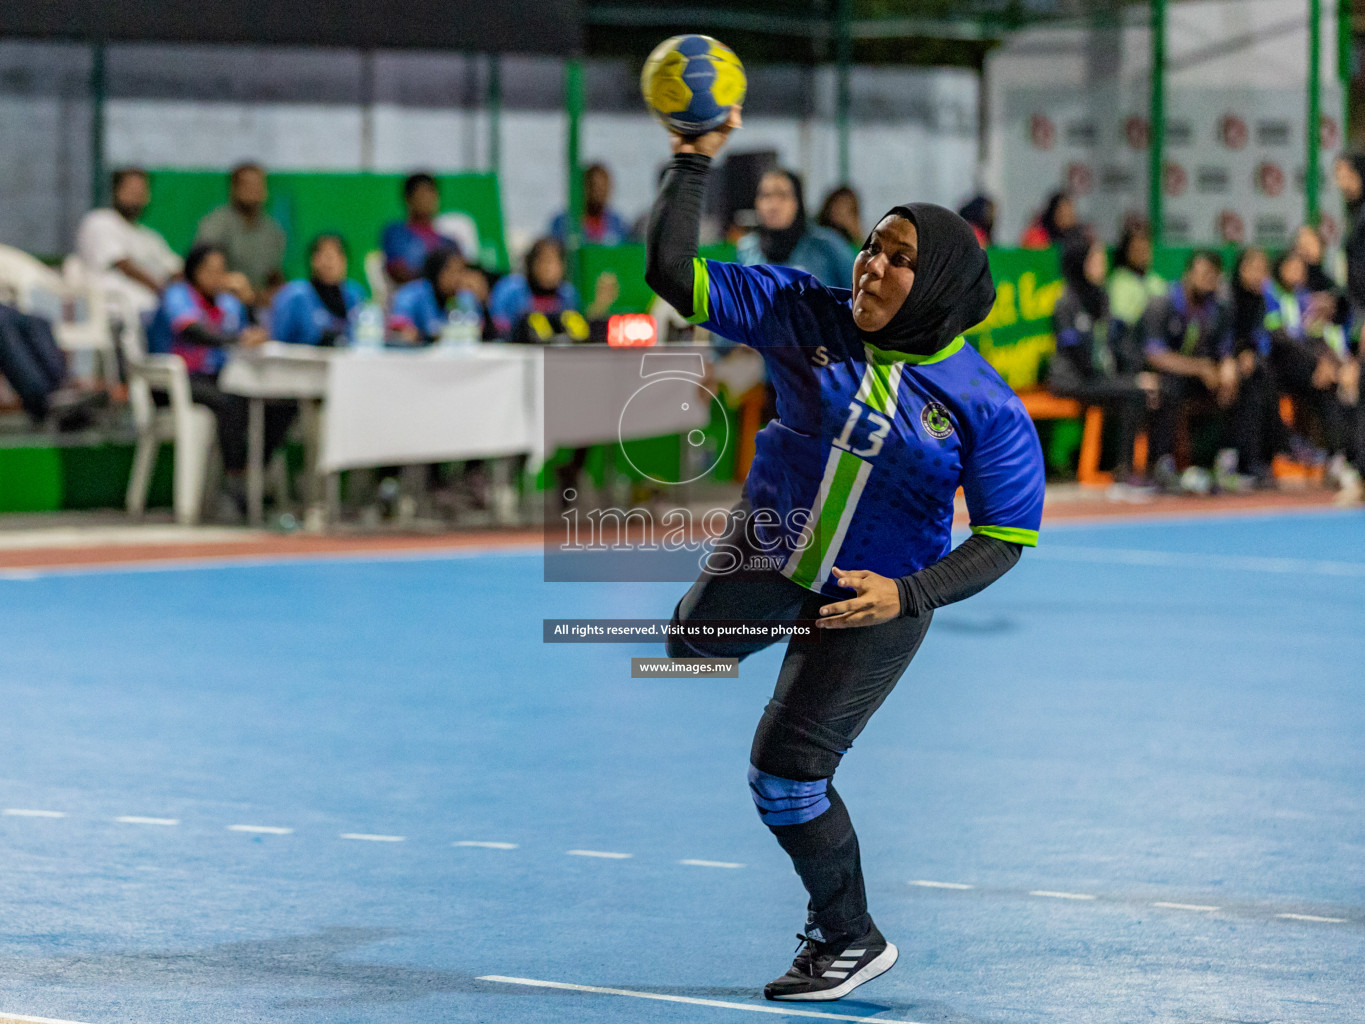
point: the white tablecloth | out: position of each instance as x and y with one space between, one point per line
396 407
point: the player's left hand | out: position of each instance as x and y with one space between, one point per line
878 600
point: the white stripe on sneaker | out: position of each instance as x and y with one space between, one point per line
835 974
853 952
844 963
876 967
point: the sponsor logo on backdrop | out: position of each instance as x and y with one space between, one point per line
1273 133
1041 131
1136 131
1329 132
1080 180
1174 179
1211 180
1271 230
1232 131
1231 227
1177 229
1269 178
1179 133
1081 133
1116 179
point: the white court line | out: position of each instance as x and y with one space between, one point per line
940 885
23 812
1312 917
132 819
268 830
1061 895
599 853
786 1011
1183 906
370 837
14 1018
1192 560
485 845
711 863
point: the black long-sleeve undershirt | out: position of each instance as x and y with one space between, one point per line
675 229
968 569
671 245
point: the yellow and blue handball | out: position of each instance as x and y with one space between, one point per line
692 82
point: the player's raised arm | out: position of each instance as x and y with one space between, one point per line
675 222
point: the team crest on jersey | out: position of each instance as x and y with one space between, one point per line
935 420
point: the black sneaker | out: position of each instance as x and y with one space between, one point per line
824 971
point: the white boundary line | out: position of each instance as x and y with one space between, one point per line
1052 894
372 837
605 854
24 812
485 844
786 1010
265 830
14 1018
133 819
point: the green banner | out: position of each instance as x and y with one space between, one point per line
356 206
1017 337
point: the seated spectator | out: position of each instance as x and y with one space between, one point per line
1187 339
1085 366
36 369
200 320
542 289
785 237
422 308
1251 338
1057 218
1133 283
128 258
840 213
601 224
251 239
317 311
980 214
407 244
1309 360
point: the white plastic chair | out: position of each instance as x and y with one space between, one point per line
190 427
377 278
90 329
31 285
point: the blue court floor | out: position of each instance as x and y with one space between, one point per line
1125 784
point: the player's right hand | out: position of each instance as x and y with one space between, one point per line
710 143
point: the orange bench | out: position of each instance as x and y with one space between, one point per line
1044 405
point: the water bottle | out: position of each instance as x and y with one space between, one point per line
369 328
463 326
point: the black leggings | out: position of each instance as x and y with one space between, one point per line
231 413
1294 366
826 692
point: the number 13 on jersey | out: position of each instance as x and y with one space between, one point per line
880 424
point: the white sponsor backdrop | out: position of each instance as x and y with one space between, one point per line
1070 109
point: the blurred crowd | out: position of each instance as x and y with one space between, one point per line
1224 375
1172 363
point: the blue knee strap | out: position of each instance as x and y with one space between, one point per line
787 801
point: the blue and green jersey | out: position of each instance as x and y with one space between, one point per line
861 466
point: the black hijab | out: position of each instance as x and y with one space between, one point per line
1049 217
1248 307
778 244
1094 299
332 297
435 263
980 213
1123 254
532 255
952 291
